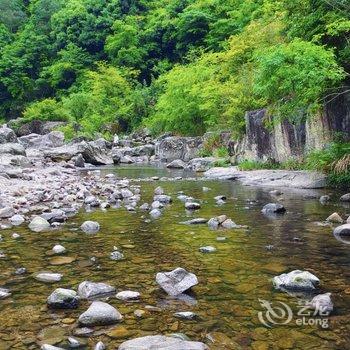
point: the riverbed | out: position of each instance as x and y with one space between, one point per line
232 280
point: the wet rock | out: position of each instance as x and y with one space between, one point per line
38 224
161 342
186 315
192 206
196 221
207 249
48 277
220 198
162 198
62 260
345 197
63 299
100 313
144 206
6 212
90 227
335 217
20 271
324 199
58 249
296 280
158 191
273 208
74 343
155 213
50 347
213 223
128 295
100 346
90 290
228 224
17 220
322 303
117 255
177 281
177 164
83 332
4 293
342 230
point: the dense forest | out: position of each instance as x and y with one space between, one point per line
182 65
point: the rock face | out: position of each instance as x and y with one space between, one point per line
95 153
296 280
176 281
90 290
161 342
100 313
63 299
184 148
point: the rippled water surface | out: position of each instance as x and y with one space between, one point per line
232 280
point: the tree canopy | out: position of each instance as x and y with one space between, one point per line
185 66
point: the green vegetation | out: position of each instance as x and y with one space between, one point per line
186 66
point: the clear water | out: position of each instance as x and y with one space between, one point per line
232 280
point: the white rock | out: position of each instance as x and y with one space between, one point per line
100 313
58 249
38 224
128 295
296 280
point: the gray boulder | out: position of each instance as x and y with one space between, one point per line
96 153
177 281
161 342
6 212
296 280
174 147
90 290
345 197
162 198
100 313
273 208
7 135
63 299
17 220
14 149
90 227
203 164
39 224
192 206
343 230
51 140
322 303
176 164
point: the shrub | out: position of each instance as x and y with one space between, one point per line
46 110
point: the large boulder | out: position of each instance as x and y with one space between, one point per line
50 140
343 230
90 290
99 314
177 281
174 147
273 208
345 197
96 153
62 298
15 149
39 224
64 153
203 164
176 164
38 127
7 135
296 280
161 342
90 226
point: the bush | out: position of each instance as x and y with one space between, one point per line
45 110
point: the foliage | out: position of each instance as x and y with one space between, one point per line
46 110
294 76
186 66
